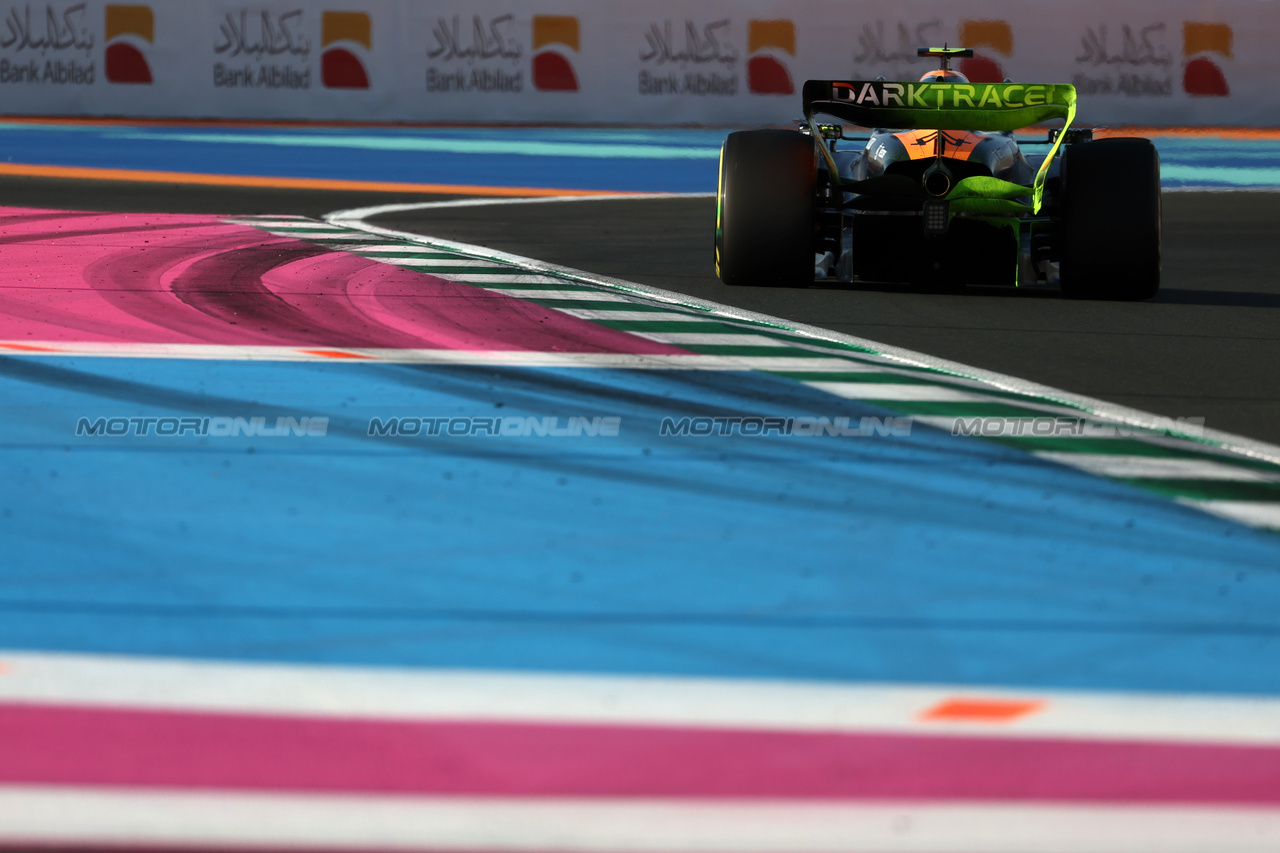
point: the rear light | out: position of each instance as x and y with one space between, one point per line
936 217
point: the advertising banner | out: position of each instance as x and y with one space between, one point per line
656 62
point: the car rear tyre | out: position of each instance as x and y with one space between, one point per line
764 209
1111 220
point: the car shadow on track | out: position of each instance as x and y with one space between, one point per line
1038 292
1167 296
1237 298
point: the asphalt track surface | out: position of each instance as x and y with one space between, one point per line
1207 346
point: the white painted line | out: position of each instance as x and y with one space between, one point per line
49 816
362 250
616 314
1090 405
326 237
401 249
109 681
1108 465
1256 513
435 262
712 338
304 227
339 235
615 361
509 280
529 293
790 363
892 391
275 221
954 425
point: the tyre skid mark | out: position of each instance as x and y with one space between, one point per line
170 279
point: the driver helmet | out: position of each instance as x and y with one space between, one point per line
942 75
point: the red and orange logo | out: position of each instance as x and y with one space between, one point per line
990 40
1201 43
555 38
340 32
767 72
129 29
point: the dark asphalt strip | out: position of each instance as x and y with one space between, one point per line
1207 346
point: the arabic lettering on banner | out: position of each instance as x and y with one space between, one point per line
888 48
262 49
47 44
689 58
1125 60
475 54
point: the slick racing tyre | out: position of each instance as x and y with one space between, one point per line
1111 220
764 209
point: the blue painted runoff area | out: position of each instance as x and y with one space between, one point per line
909 558
664 160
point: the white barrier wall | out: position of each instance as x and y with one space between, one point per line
1151 62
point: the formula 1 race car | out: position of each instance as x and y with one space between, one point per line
946 195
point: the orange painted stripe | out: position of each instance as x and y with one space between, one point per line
147 176
333 353
917 143
103 121
981 710
921 144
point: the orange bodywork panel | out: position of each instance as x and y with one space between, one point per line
957 145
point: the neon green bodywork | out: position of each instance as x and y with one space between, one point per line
990 196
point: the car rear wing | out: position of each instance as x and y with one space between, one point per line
940 106
943 106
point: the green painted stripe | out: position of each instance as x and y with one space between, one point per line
905 373
534 286
903 369
451 270
311 228
1109 446
1051 409
1208 490
767 352
421 256
796 338
602 305
1129 446
893 378
699 326
957 408
882 378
